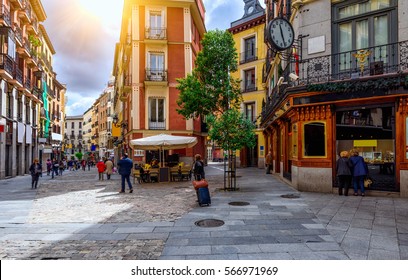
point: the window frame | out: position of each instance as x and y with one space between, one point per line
392 21
248 87
159 123
304 142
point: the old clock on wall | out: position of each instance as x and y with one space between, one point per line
280 34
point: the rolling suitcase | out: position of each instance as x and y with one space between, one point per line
203 196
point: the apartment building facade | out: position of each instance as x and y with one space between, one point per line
248 34
74 135
159 42
342 84
27 127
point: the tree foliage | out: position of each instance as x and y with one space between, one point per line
79 155
210 92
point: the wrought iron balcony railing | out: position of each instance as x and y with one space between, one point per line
349 69
248 56
5 14
156 75
6 63
156 33
157 125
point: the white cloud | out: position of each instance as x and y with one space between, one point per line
84 36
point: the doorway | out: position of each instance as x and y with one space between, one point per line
371 130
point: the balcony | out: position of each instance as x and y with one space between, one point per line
248 56
18 4
18 35
156 75
157 125
5 16
364 71
18 76
37 92
6 66
27 82
156 33
33 27
25 12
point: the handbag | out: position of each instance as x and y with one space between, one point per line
200 184
367 183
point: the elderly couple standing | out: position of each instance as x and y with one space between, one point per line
351 169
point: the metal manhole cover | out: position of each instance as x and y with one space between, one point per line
209 223
290 196
239 203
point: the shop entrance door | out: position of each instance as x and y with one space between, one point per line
371 130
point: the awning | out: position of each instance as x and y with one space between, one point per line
56 137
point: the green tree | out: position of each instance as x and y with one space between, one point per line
79 155
210 92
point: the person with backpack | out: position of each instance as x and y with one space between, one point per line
35 170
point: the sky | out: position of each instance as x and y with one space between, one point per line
84 34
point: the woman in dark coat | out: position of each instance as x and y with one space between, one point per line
35 170
343 172
359 170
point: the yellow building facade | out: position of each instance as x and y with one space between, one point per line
248 34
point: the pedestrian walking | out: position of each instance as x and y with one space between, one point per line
83 164
35 170
359 171
268 162
109 168
343 172
101 169
61 167
198 168
55 166
125 169
89 164
49 166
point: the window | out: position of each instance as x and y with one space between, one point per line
249 80
80 125
364 25
156 64
27 112
250 49
156 113
314 139
155 24
73 125
250 112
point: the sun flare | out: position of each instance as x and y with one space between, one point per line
107 11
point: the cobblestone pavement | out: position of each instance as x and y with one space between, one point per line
75 216
78 217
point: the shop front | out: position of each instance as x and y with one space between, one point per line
307 134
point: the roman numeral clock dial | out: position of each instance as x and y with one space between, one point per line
280 34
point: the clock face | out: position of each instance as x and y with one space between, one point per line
281 34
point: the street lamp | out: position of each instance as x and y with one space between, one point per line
116 123
123 125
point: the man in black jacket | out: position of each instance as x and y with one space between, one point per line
125 169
